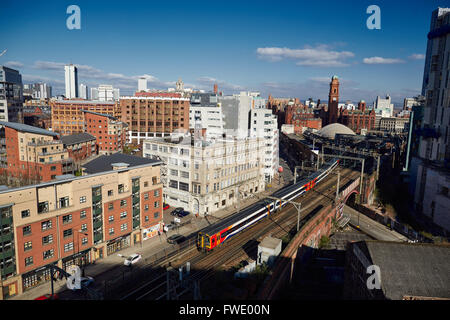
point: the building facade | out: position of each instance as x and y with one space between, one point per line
76 220
432 166
109 132
32 153
11 95
205 112
80 146
152 114
68 116
205 176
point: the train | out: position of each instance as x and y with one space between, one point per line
214 235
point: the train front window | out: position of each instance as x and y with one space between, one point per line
207 243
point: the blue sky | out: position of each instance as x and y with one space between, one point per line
286 48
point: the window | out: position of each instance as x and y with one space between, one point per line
123 203
64 202
67 219
173 184
83 199
111 218
67 233
46 225
53 168
111 206
156 204
28 261
43 207
146 218
84 227
121 188
47 239
111 230
27 246
123 215
145 183
184 186
124 227
146 207
156 214
48 254
68 247
83 214
145 196
25 213
84 241
156 193
110 193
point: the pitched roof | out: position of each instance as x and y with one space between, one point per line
77 138
100 114
104 163
417 269
26 128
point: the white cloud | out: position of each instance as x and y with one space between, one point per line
14 64
319 56
380 60
417 56
207 83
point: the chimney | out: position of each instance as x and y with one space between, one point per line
215 88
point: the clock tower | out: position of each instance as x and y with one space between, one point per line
333 100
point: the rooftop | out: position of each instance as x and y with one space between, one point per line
415 269
26 128
77 138
331 130
100 114
106 163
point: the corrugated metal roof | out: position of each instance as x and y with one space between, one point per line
26 128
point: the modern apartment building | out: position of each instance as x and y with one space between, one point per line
37 90
68 116
71 81
384 107
204 176
80 146
432 167
83 92
77 220
109 132
154 115
11 95
32 153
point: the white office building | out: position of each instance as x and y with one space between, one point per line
83 91
204 176
71 81
105 92
142 84
384 107
205 113
263 124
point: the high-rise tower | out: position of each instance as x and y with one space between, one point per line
71 77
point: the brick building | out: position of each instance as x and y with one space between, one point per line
302 117
358 119
80 146
154 114
68 116
108 130
77 220
32 153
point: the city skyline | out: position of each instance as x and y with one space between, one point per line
285 50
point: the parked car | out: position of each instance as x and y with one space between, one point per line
165 206
182 214
168 227
86 281
48 296
134 258
176 238
175 212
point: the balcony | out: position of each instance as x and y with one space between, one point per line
7 254
9 269
97 224
43 143
7 237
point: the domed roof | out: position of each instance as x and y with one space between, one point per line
334 77
331 130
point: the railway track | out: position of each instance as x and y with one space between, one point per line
204 266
